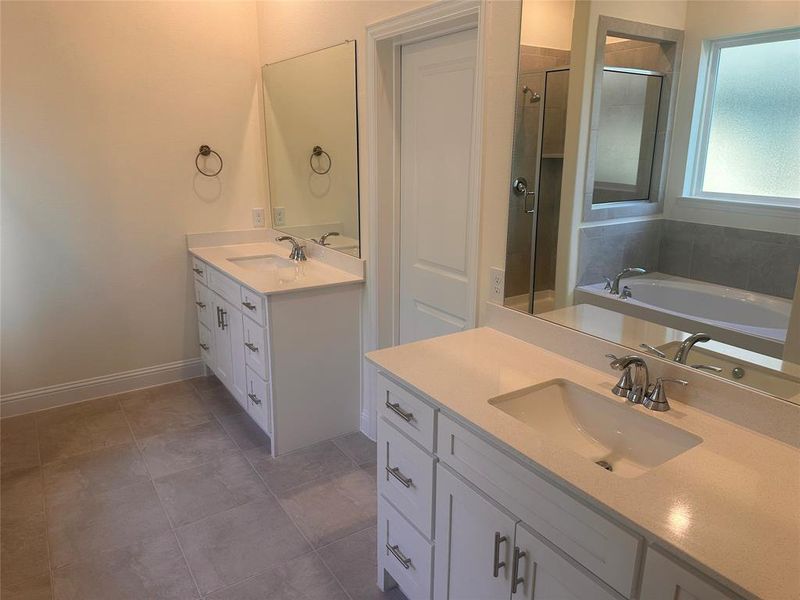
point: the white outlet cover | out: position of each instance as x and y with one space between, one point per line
497 280
259 217
279 216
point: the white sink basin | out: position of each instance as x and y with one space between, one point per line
596 427
263 262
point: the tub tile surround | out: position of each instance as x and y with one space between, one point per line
706 506
100 522
757 261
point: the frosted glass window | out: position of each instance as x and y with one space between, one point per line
754 131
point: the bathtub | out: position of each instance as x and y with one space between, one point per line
747 319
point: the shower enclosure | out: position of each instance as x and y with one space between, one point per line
537 162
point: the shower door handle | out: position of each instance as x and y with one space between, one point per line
520 187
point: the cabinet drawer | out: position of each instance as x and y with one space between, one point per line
408 413
253 305
404 553
256 348
258 403
203 301
200 270
225 287
666 579
605 548
405 477
206 345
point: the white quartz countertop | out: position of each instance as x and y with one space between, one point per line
730 505
288 276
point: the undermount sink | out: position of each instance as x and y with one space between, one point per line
262 262
616 436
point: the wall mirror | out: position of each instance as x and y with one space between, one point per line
310 115
654 196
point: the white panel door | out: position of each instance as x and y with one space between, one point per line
438 79
474 540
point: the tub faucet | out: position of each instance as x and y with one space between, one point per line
683 350
632 385
298 251
614 286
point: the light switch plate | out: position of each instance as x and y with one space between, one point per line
259 217
497 281
279 216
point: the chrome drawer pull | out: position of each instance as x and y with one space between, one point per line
201 304
198 271
254 398
249 306
251 347
395 472
395 550
515 578
204 346
498 564
395 407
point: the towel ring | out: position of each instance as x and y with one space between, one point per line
205 151
318 151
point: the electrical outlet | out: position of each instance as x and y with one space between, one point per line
259 217
279 216
497 279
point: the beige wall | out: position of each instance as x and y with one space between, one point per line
103 108
547 23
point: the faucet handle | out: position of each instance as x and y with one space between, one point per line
656 399
653 350
607 286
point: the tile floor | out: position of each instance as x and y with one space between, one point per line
170 492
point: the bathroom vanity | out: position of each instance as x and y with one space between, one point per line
283 336
508 471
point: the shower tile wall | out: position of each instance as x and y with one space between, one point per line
756 261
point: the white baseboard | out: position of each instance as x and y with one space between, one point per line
96 387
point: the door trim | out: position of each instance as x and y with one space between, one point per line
383 42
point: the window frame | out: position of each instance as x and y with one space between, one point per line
704 104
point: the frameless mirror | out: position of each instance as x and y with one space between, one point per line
675 227
310 116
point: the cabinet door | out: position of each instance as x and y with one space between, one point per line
543 574
229 348
223 352
474 538
665 579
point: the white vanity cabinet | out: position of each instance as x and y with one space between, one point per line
292 360
461 520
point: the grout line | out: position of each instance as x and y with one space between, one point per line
44 509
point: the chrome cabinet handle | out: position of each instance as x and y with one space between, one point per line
204 346
395 408
201 304
515 578
223 314
251 347
254 398
249 306
498 564
395 472
219 317
198 271
404 560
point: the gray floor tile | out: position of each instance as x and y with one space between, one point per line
97 471
21 494
186 448
154 411
80 524
231 546
333 507
19 445
299 467
244 431
354 562
206 383
219 401
203 491
151 568
371 469
24 567
358 447
80 428
303 578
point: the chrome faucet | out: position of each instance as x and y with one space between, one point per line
632 385
613 284
298 251
683 350
325 236
657 398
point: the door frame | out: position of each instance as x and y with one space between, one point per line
384 40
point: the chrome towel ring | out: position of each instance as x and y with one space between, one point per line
318 151
205 151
